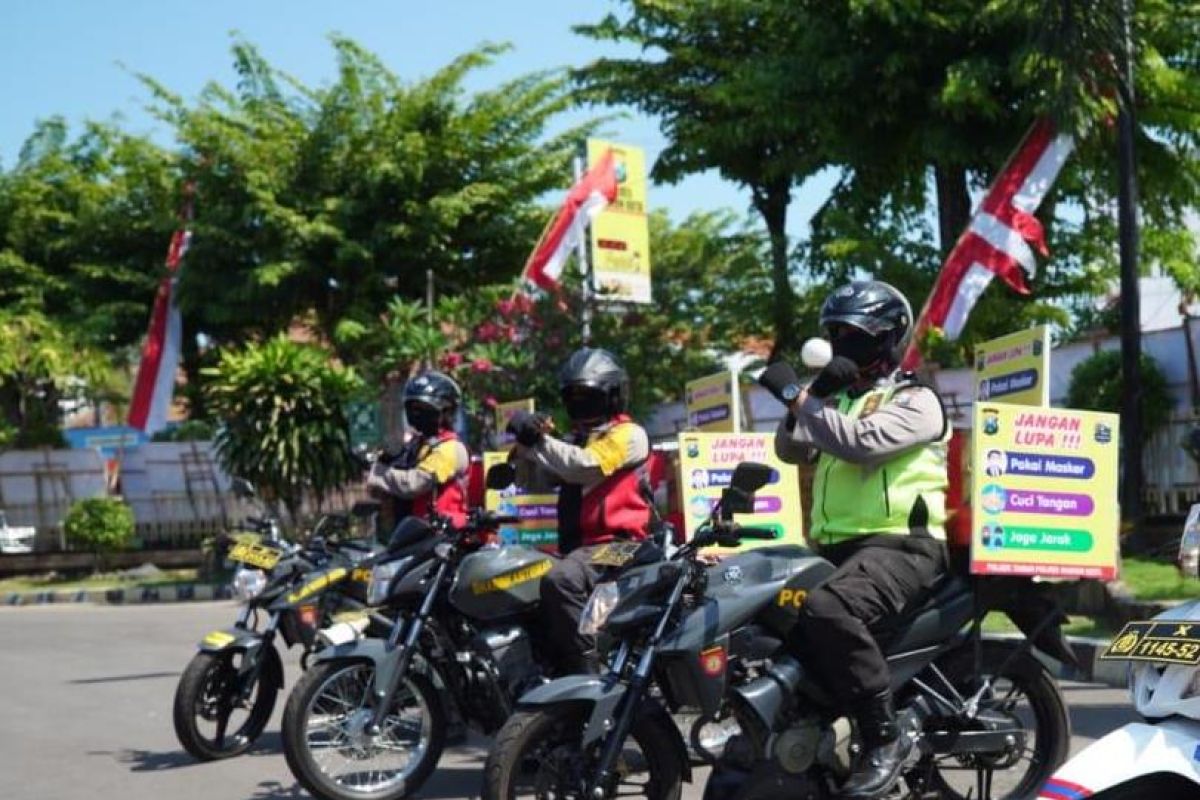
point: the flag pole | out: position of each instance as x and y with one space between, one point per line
585 265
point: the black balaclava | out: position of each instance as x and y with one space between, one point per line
424 418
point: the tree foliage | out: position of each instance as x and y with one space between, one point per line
283 423
1096 385
100 524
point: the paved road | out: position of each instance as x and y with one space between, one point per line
85 704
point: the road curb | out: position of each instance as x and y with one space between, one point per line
145 595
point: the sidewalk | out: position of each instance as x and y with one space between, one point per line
180 593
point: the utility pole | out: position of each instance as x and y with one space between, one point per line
1131 334
585 268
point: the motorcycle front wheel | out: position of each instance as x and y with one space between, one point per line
332 754
212 721
538 754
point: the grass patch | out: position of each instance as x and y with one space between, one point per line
998 622
52 583
1156 580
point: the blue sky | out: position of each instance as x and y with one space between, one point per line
65 57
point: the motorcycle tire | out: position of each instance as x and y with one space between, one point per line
511 756
298 716
1044 701
208 680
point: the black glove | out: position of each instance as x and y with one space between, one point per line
527 427
777 376
839 373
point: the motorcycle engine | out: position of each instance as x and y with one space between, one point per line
498 669
796 748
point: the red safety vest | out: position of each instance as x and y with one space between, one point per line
615 509
448 499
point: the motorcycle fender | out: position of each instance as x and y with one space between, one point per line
1128 753
603 695
375 651
251 643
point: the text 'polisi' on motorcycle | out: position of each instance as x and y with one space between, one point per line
986 717
228 690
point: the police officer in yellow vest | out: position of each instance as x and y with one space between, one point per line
878 438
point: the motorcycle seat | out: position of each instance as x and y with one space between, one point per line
943 612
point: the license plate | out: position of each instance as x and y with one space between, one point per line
256 555
614 554
1161 641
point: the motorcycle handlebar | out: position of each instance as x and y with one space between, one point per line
761 534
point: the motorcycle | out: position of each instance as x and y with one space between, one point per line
689 634
1157 757
226 694
366 720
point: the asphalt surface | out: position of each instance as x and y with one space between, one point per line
85 704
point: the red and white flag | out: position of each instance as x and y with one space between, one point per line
997 240
155 384
587 198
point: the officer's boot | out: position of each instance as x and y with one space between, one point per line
885 746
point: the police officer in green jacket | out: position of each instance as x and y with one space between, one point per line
878 438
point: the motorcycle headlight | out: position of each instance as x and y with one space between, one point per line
599 606
247 583
381 579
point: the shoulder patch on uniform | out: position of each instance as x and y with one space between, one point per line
871 404
440 462
611 447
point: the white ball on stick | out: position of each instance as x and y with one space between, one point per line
816 353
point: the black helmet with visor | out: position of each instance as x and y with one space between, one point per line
594 386
868 322
430 401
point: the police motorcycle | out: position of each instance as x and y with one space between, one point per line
367 720
711 636
227 692
1160 756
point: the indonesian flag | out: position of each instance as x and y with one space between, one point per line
997 240
155 383
587 198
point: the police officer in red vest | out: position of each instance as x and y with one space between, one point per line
600 498
430 471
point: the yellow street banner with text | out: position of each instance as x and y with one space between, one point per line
1014 369
709 402
1044 496
504 413
538 512
706 465
621 232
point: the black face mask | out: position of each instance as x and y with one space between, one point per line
585 405
859 346
425 419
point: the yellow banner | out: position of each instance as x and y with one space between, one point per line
709 402
1014 369
706 464
504 413
538 512
1044 496
621 233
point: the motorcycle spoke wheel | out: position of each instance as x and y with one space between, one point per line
330 749
212 719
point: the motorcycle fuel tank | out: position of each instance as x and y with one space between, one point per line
493 584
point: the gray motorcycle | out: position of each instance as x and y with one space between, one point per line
367 720
987 718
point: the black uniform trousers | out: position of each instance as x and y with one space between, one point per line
564 592
878 578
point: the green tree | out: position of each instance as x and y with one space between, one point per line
719 80
282 420
1096 385
102 525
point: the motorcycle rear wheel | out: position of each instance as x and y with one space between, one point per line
549 738
1026 692
208 693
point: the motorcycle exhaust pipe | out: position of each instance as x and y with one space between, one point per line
770 695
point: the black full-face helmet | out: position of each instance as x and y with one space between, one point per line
868 322
430 401
593 384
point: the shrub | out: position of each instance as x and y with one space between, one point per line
1096 386
100 524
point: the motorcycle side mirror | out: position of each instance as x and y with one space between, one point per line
500 476
242 488
735 500
750 476
364 508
